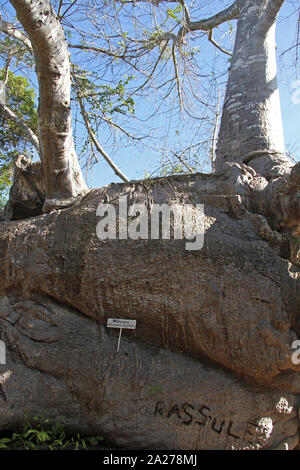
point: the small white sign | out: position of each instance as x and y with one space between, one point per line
121 323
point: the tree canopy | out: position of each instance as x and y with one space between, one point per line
147 75
20 99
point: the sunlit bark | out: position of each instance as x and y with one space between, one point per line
64 180
251 128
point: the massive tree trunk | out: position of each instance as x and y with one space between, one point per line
64 180
251 128
210 364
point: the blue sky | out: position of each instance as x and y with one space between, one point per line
136 160
287 75
134 163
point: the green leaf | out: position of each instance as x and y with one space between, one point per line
3 442
20 98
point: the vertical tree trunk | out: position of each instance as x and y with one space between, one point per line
64 179
251 128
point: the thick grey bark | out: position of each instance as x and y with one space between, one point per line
64 180
214 333
251 127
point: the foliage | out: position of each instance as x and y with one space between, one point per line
5 182
20 98
20 53
42 434
104 99
172 13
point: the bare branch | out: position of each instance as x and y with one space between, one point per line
154 68
114 124
6 71
190 170
66 11
176 75
269 16
230 13
186 12
290 48
272 10
59 8
207 24
101 50
93 138
211 39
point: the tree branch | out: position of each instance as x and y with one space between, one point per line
13 32
269 16
154 68
22 125
69 8
207 24
211 39
59 8
6 70
272 10
190 170
102 152
176 75
107 52
230 13
114 124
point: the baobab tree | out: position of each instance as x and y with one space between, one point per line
214 347
251 130
64 180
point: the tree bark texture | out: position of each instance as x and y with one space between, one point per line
209 365
64 180
251 127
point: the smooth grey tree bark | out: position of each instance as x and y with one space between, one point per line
64 180
251 127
